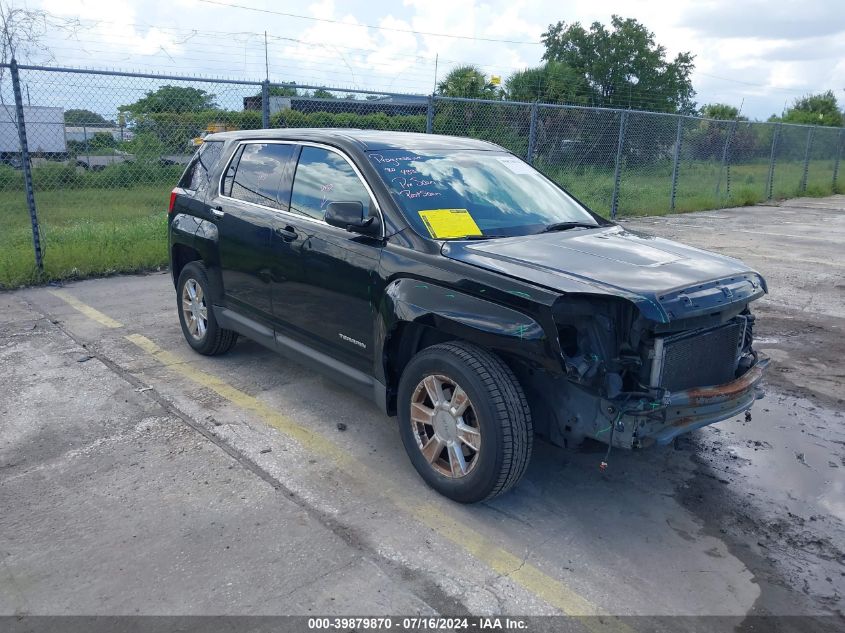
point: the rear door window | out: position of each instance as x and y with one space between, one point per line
256 173
197 176
323 177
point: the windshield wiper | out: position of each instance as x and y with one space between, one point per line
478 237
565 226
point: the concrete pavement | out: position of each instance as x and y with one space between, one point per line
148 479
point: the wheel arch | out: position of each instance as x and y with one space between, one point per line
416 315
180 256
195 239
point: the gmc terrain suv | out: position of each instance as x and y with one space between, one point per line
461 290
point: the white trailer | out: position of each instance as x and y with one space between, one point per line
45 130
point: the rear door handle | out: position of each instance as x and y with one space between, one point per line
218 212
288 233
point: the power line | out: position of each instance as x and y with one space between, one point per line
750 83
313 69
190 33
368 26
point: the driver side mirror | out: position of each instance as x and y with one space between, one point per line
350 216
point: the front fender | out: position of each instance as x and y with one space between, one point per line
470 318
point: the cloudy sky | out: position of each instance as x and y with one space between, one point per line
757 54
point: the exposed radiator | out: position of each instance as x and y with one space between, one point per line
700 358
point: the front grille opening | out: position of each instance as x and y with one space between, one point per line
701 358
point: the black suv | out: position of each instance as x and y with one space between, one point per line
461 290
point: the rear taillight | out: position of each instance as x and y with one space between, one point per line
173 195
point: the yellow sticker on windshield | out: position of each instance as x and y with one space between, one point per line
449 223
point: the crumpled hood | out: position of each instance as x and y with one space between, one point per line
666 279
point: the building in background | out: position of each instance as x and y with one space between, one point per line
82 133
389 105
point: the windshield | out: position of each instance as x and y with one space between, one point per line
452 194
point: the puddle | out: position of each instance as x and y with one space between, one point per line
780 498
794 450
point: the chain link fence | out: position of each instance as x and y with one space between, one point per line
86 178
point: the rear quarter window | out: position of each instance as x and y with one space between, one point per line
197 176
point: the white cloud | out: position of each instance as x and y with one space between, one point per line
116 27
756 51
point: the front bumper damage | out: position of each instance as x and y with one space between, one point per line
640 423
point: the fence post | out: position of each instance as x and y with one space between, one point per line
725 154
27 167
838 158
617 171
87 147
770 181
265 103
429 115
810 134
676 162
532 134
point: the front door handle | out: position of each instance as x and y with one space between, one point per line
288 234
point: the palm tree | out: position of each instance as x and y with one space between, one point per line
468 82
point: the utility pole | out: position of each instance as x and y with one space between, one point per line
265 88
436 59
266 59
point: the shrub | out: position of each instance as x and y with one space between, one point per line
56 176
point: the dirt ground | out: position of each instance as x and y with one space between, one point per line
138 477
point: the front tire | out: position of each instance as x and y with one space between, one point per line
196 313
464 421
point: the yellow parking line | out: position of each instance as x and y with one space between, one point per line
516 568
91 313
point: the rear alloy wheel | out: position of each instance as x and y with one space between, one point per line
196 313
194 309
464 421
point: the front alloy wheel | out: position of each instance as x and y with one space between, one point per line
445 425
464 421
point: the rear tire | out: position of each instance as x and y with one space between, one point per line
482 450
196 313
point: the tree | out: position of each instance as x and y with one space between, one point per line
85 117
286 90
22 31
170 99
322 93
820 109
171 114
721 112
468 82
103 140
623 65
553 82
281 91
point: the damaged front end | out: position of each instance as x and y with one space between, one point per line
640 372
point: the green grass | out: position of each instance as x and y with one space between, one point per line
647 190
86 232
115 221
